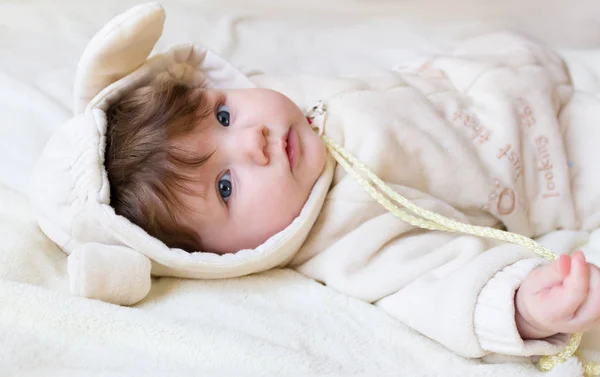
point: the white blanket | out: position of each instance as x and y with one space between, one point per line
278 323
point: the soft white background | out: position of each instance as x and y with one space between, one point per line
41 40
275 324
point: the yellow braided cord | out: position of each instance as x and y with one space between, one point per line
548 362
591 369
433 221
448 223
425 224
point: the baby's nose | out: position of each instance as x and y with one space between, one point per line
255 144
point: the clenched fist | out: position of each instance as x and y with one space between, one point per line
561 297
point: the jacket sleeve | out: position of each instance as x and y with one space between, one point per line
457 290
471 310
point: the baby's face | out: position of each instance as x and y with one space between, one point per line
266 160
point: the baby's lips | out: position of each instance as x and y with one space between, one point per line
594 278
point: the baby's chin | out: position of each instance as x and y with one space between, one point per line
316 153
251 242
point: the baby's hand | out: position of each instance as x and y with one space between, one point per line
562 297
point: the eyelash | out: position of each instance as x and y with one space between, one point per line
232 186
220 101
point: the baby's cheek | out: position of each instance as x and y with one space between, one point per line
285 206
272 200
266 225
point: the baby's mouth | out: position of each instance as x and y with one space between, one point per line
291 147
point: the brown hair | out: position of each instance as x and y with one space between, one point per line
146 170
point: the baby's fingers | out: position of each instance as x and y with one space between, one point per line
588 314
573 291
546 277
576 284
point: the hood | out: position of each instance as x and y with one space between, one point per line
70 188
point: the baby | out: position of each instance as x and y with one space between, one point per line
224 170
212 170
192 153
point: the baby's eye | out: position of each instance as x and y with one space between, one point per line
223 115
225 186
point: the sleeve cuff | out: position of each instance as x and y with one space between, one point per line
494 317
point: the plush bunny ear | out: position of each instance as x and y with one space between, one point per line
114 274
120 47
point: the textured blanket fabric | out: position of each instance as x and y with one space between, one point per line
277 323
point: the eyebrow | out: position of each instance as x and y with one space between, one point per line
206 106
182 156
